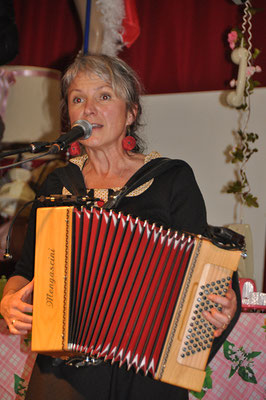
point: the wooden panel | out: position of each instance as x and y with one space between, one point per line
51 289
208 267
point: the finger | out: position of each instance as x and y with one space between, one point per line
22 326
19 328
230 294
218 332
26 291
20 316
216 318
223 301
15 331
25 307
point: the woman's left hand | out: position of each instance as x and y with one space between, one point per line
221 319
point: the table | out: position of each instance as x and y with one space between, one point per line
238 371
244 357
16 363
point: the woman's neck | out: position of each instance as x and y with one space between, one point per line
110 169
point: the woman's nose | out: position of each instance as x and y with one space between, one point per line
90 107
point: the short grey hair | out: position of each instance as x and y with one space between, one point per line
119 75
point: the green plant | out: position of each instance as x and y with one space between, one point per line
245 148
241 154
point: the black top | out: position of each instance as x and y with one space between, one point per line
173 200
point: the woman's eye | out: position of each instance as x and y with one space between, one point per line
77 100
105 96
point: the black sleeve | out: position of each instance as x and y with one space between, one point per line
187 207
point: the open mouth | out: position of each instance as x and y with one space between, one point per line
96 126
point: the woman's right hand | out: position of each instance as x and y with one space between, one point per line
15 306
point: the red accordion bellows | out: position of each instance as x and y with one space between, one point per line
126 279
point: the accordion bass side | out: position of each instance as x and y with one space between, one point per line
117 288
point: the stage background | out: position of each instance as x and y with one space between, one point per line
184 62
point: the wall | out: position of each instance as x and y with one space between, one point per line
196 127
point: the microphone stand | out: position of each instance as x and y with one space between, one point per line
34 147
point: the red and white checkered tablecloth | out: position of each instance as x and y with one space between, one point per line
247 340
16 363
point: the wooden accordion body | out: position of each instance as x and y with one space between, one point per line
120 289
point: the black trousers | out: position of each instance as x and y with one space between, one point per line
100 382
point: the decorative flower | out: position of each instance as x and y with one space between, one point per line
252 69
242 361
233 83
8 76
232 39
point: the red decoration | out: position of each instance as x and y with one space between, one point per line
130 23
100 203
129 142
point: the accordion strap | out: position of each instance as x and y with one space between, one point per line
149 171
70 178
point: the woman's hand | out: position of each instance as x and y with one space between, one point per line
14 308
221 319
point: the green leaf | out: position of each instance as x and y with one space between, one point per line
255 54
247 374
254 10
235 187
208 382
232 371
253 354
256 83
238 155
228 352
18 385
208 371
198 395
252 137
251 201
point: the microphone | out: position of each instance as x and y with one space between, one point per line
80 129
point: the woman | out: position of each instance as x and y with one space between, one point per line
105 91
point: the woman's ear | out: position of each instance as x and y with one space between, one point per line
131 115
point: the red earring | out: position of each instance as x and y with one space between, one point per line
129 142
74 149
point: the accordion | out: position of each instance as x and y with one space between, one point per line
116 288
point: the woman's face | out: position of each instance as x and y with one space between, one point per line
94 100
